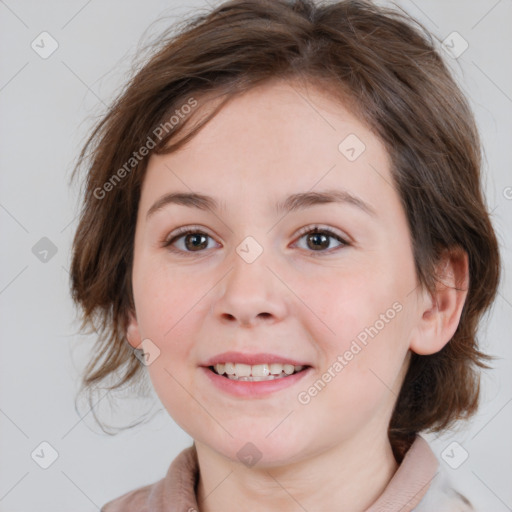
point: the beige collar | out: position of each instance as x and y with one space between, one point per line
176 491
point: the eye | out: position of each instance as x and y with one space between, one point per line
194 240
319 238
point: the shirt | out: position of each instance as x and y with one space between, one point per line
418 485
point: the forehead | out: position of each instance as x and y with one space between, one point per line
275 139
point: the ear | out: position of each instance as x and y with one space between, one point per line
132 331
440 313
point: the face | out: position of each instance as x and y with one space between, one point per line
330 285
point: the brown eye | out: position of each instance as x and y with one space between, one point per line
192 240
195 241
319 239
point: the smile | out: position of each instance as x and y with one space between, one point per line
255 373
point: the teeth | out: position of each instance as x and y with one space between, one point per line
276 368
252 379
288 369
242 370
257 372
260 370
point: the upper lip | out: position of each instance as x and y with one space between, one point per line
251 359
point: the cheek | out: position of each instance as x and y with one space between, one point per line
165 297
167 312
362 332
352 306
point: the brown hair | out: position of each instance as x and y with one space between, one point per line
388 72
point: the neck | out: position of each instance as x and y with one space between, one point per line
349 477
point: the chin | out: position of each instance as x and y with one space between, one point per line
255 450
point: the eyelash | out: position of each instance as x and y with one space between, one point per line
181 232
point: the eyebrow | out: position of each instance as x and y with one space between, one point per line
293 202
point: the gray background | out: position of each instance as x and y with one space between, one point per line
47 106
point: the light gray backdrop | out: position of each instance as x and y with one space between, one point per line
51 88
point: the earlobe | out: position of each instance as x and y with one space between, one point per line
132 331
441 312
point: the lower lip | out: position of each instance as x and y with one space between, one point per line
253 389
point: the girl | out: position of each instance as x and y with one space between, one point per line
283 224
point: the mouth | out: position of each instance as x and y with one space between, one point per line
257 372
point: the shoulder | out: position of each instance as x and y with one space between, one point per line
443 497
421 484
176 491
133 501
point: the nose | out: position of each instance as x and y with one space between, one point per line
249 294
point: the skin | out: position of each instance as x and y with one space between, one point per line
293 300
